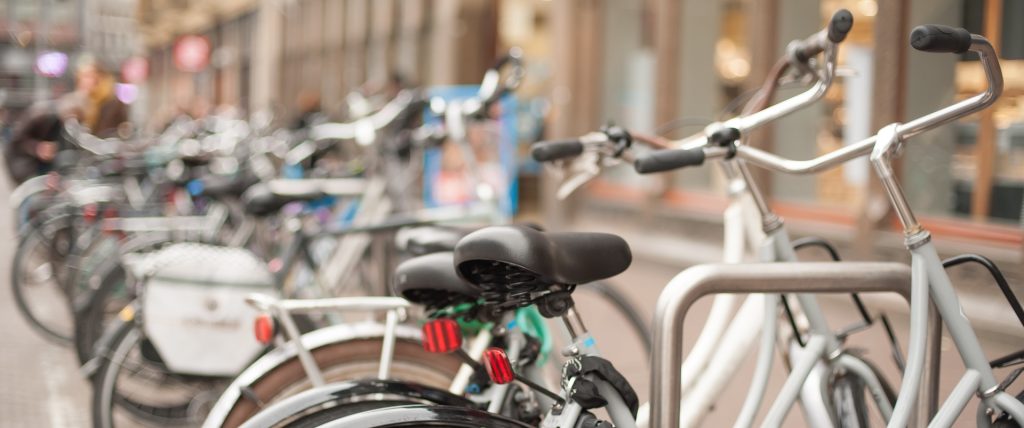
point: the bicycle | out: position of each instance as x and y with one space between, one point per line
725 341
930 283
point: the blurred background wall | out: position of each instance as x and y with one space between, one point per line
669 66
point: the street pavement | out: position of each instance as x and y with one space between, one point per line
40 385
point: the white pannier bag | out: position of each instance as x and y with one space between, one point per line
194 306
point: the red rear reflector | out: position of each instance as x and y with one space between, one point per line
110 212
499 368
442 335
264 329
89 212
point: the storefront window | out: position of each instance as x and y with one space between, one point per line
1005 127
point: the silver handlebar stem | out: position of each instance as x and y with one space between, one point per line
890 138
737 169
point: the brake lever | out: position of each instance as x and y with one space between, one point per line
578 171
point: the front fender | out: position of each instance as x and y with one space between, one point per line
352 391
282 354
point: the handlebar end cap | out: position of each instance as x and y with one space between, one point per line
940 38
840 25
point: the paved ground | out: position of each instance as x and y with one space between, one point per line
40 385
39 381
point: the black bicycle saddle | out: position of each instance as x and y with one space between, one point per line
520 259
259 200
431 280
422 240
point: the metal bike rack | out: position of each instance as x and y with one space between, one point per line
797 277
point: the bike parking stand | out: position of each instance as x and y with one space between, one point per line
798 277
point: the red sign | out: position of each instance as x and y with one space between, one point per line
192 53
135 70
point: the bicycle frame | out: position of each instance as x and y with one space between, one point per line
930 284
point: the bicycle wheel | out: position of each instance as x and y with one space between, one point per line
409 416
38 292
133 387
94 312
850 405
849 397
348 360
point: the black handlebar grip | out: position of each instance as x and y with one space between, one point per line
840 25
546 151
940 38
667 160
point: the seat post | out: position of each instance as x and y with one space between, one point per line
574 323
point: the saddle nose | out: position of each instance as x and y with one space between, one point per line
431 280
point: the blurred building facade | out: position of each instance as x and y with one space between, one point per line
66 30
656 65
673 66
266 53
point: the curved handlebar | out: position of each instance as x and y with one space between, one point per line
379 120
838 27
931 38
993 73
841 23
492 88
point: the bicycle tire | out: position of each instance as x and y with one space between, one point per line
857 405
419 416
61 334
342 410
849 402
107 397
93 314
289 378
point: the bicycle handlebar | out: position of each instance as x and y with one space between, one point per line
667 160
940 38
546 151
375 122
838 27
492 88
928 38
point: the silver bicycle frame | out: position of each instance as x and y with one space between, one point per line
931 284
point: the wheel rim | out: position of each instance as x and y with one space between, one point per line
39 294
141 391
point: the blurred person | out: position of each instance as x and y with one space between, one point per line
40 134
101 111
